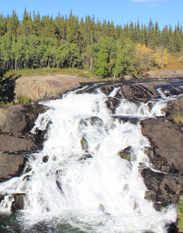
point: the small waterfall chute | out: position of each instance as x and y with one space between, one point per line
79 178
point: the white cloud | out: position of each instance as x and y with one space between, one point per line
154 5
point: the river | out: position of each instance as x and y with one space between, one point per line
79 181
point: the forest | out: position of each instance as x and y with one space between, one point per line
102 48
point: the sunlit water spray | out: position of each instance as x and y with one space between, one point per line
79 177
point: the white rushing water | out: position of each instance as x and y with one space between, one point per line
85 183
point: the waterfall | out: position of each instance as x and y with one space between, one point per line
79 178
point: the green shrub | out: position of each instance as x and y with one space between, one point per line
23 100
180 215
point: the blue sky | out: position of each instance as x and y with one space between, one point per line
166 12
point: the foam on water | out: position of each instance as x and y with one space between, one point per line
89 187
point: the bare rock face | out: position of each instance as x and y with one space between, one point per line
46 87
19 118
165 74
166 137
15 124
163 188
140 92
11 165
15 144
167 140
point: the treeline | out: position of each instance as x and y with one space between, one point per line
105 49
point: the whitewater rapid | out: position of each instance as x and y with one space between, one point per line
79 177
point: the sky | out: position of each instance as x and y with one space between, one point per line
165 12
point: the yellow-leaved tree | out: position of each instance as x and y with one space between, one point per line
144 56
160 57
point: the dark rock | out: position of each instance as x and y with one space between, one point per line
18 203
19 118
85 157
59 185
126 153
14 144
45 159
140 92
94 120
164 188
150 195
167 141
84 144
172 228
112 103
1 197
27 178
131 119
11 165
107 89
15 124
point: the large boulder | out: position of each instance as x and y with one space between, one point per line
167 141
163 188
19 118
141 92
11 165
15 144
15 124
46 87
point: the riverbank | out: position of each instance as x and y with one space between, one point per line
26 89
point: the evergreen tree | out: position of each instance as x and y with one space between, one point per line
13 24
26 26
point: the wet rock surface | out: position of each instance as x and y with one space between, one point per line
15 124
164 188
19 118
167 142
11 165
18 203
15 138
166 137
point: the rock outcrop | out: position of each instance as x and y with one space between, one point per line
166 137
169 74
15 138
19 118
11 165
162 188
167 141
46 87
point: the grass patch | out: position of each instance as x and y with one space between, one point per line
23 100
49 71
175 62
180 215
6 104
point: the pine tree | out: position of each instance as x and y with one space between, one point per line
13 24
36 24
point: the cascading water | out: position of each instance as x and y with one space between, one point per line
79 179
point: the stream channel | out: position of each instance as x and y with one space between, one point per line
81 181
